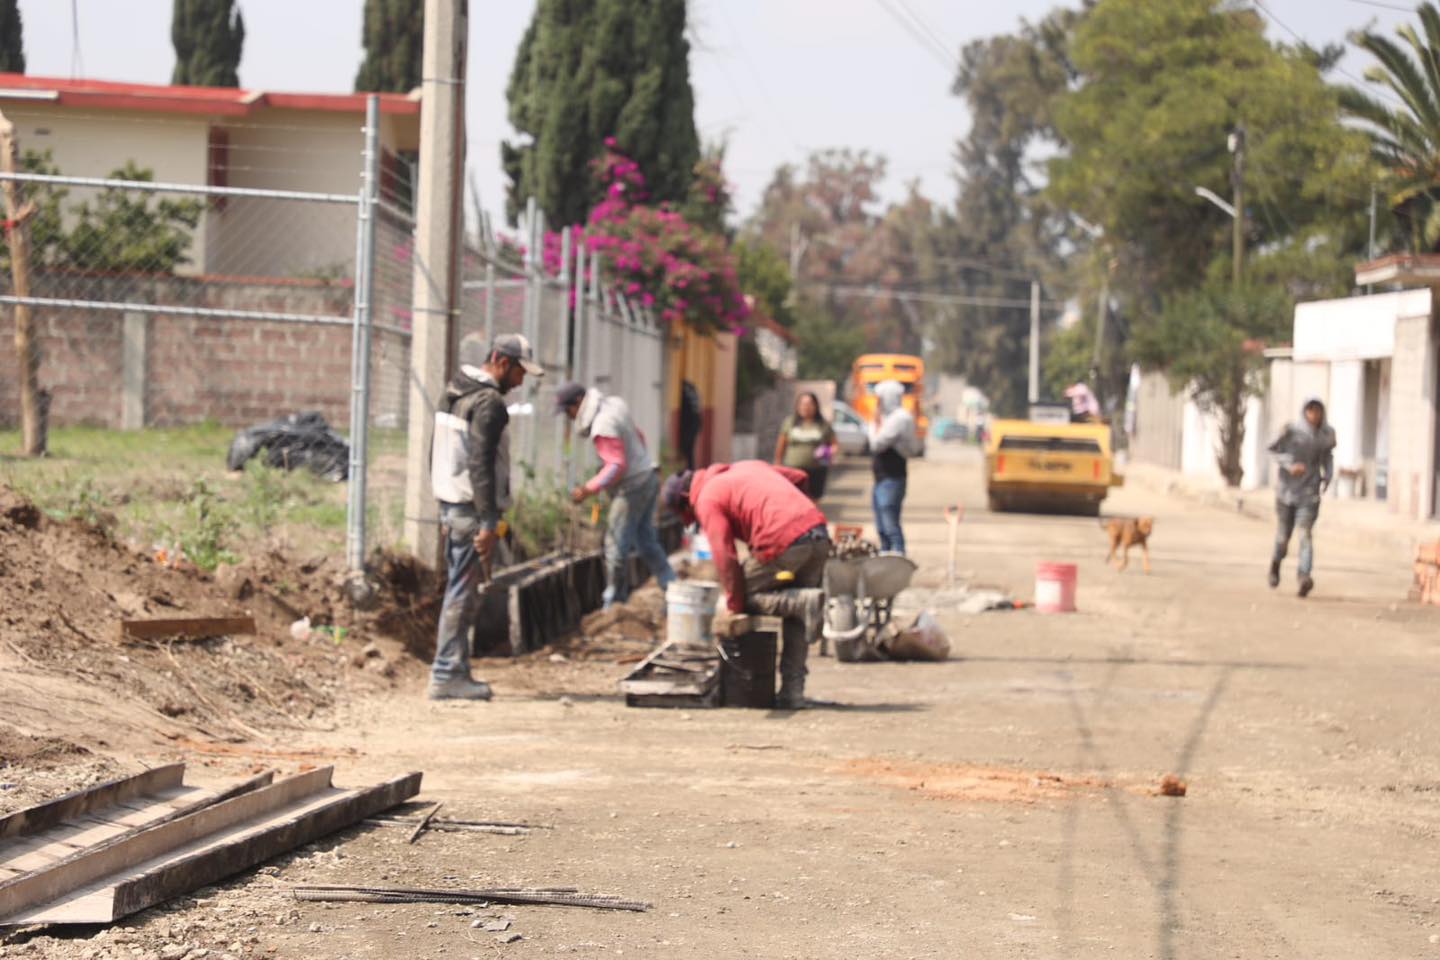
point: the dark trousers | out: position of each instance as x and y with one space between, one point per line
799 602
817 479
1290 517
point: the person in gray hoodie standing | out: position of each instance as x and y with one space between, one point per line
1305 455
470 476
893 441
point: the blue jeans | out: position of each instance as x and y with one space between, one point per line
462 593
889 495
632 527
1292 516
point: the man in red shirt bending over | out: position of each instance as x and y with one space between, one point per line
764 506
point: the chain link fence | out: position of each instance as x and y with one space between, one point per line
249 297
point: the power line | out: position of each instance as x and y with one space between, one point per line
1260 6
952 299
930 44
1384 6
944 45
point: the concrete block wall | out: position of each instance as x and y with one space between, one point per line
186 369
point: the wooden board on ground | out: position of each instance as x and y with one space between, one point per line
139 870
41 837
194 627
674 676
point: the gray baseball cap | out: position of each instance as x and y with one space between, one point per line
517 347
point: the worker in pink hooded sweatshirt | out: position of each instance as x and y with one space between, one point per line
629 475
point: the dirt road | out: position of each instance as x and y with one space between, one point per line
999 805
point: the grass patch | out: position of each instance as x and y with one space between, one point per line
169 487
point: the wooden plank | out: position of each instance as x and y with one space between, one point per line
21 893
241 847
158 629
42 816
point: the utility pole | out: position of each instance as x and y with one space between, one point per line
1237 184
1370 247
798 244
438 226
1102 313
1034 341
27 352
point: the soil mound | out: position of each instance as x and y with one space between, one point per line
69 682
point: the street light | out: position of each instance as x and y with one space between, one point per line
1216 199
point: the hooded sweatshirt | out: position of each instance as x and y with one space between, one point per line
470 452
894 439
762 505
620 444
1313 447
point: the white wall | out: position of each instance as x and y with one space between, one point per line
172 147
1412 419
1354 328
1200 445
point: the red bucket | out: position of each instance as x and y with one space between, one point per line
1055 587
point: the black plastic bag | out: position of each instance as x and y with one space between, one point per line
299 440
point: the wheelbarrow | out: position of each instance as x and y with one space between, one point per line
860 594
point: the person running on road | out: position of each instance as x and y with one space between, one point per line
893 440
1305 455
807 442
630 475
766 508
470 476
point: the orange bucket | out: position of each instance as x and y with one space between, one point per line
1055 587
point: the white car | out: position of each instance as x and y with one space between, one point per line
851 434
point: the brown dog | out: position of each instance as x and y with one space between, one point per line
1127 532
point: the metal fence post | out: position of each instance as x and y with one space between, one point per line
360 340
562 470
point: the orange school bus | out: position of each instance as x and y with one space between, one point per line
873 368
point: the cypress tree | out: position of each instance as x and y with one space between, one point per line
12 38
393 35
588 71
208 36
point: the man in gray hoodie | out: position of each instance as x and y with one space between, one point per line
1305 455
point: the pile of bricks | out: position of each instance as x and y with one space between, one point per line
1427 573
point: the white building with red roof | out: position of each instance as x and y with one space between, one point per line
225 137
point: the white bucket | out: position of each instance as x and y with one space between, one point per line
690 613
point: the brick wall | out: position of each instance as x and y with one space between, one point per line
236 372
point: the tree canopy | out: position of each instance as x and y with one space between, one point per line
1404 126
208 36
588 72
394 38
12 37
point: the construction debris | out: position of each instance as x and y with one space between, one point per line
425 822
498 827
1426 588
194 628
739 673
555 896
115 877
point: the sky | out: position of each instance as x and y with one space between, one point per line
774 79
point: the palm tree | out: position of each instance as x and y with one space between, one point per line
1405 137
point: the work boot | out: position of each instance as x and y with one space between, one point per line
792 693
1274 574
1306 585
459 688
